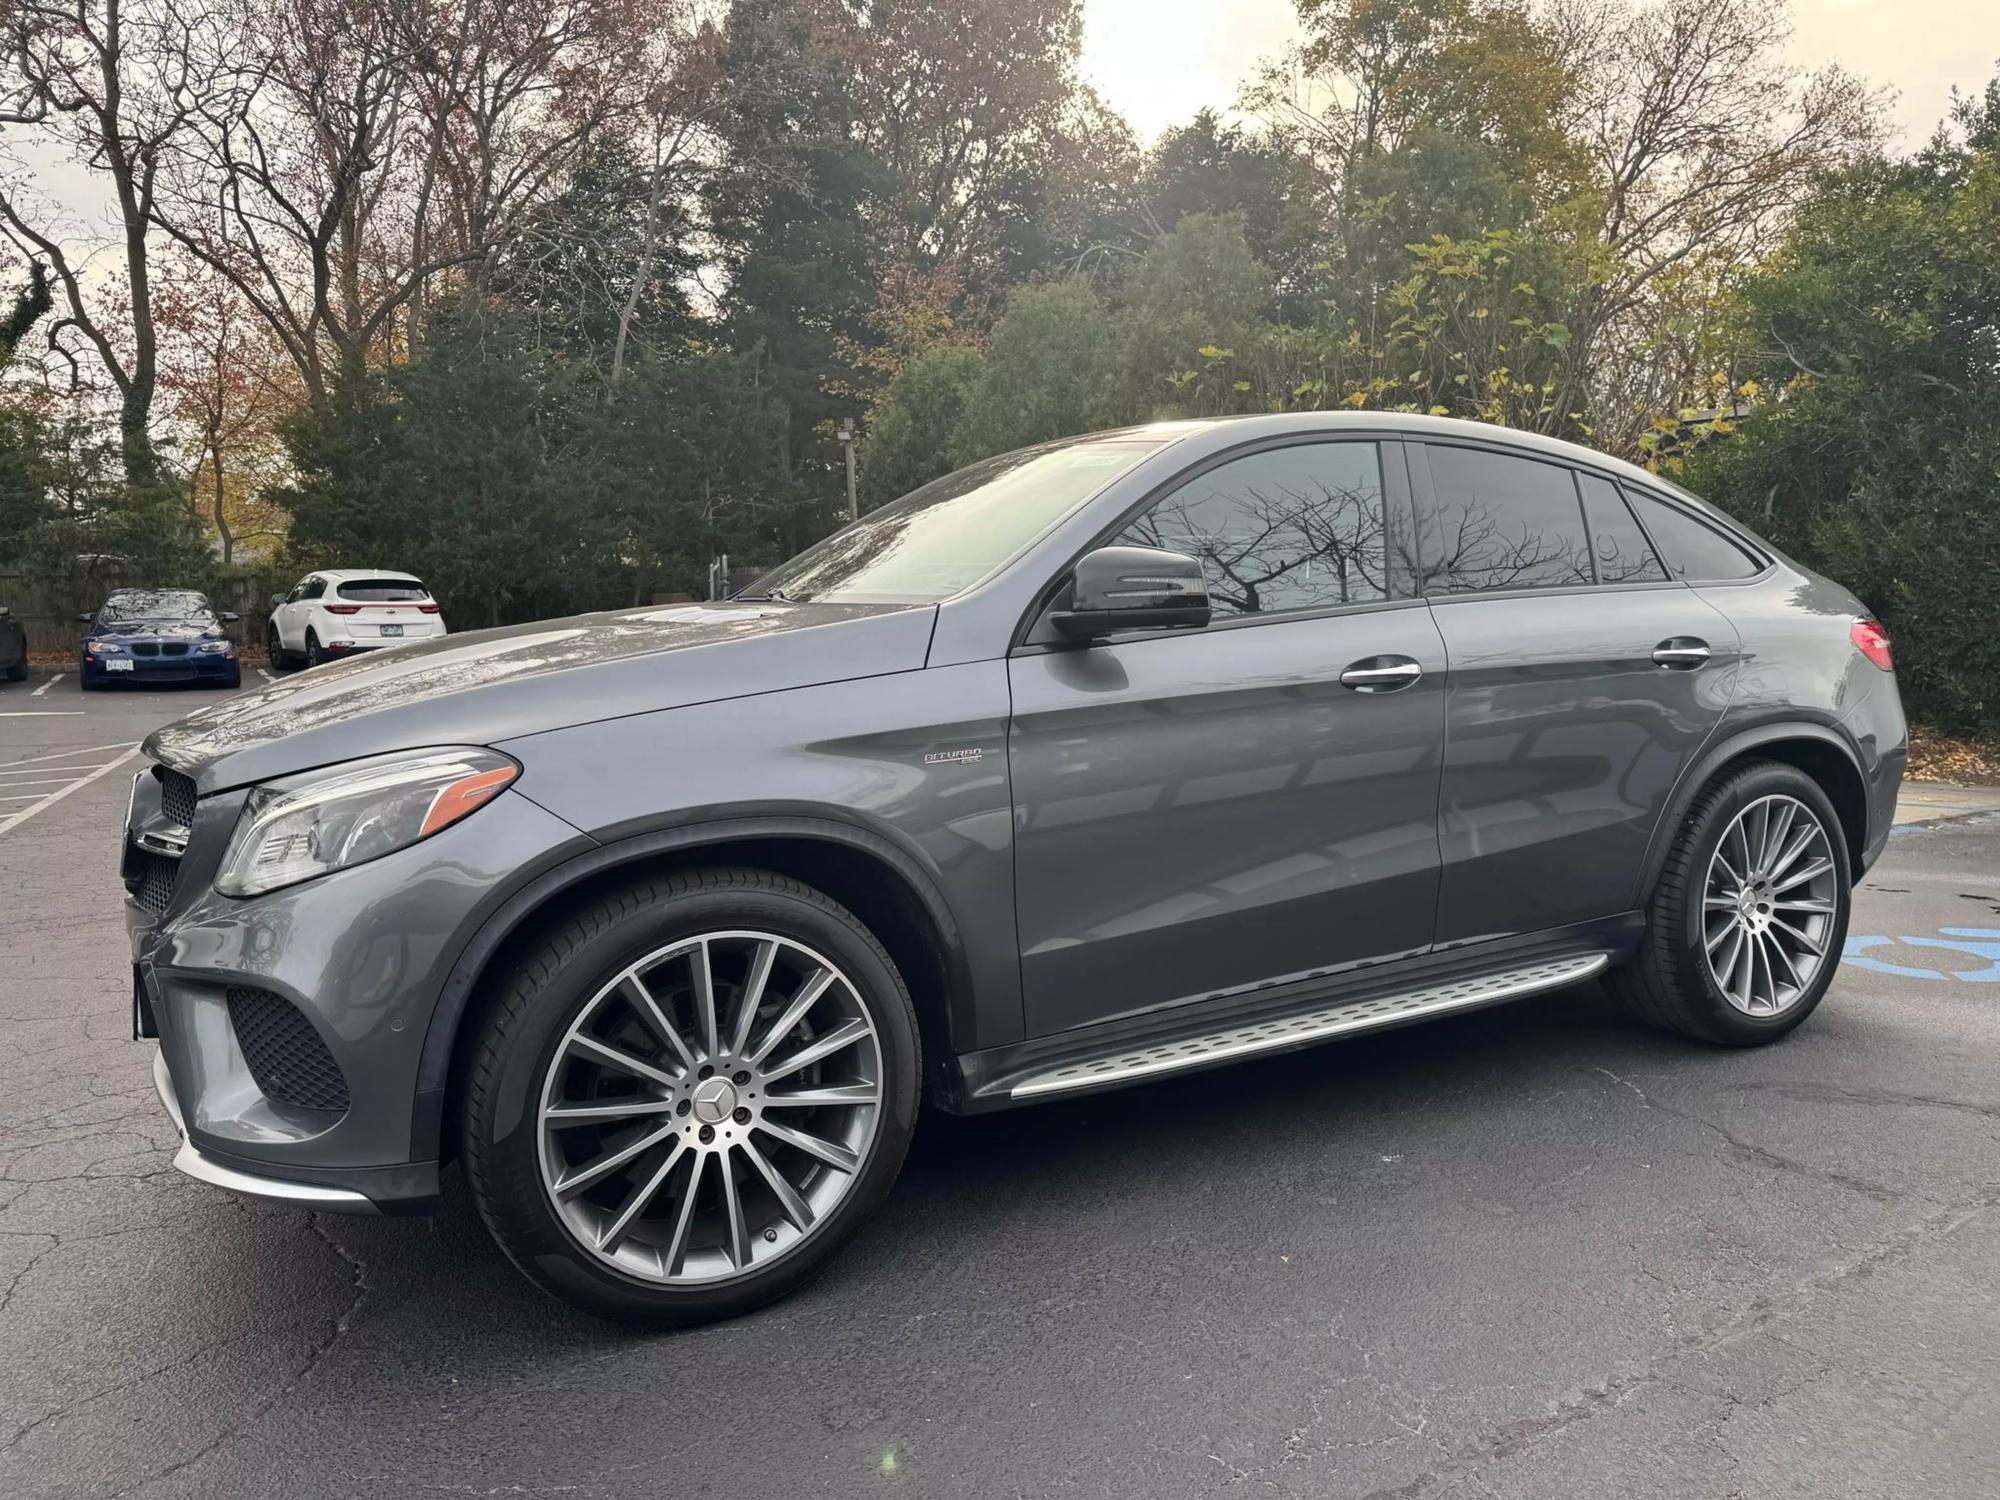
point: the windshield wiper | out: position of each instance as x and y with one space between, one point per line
776 596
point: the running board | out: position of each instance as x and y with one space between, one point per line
1376 1013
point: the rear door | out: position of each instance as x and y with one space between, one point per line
1200 811
1582 680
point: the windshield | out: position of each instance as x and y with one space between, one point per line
956 531
145 606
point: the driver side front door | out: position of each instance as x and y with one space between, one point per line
1202 811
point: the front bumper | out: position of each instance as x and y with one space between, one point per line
358 959
190 1161
190 668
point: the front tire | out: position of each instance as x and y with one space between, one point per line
689 1095
274 647
313 655
1746 925
18 672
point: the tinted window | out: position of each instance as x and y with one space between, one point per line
1620 547
314 587
384 591
954 532
1693 549
1289 528
1503 523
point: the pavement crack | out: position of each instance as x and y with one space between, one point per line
1750 1152
314 1358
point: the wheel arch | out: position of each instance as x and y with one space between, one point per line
887 887
1814 749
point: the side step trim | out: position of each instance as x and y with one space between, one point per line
1375 1013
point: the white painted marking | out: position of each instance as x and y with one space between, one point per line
49 684
9 786
46 713
32 796
66 771
31 760
61 792
261 672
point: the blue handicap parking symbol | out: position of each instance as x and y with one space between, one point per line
1978 942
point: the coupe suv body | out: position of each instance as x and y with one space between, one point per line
1090 764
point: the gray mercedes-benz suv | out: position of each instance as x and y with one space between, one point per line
1089 764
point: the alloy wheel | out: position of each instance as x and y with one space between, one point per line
1769 904
710 1107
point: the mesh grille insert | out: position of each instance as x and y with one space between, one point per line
156 882
176 797
285 1054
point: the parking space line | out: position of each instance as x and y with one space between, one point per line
49 684
7 785
59 793
265 674
45 713
35 760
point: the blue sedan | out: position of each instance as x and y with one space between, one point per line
158 635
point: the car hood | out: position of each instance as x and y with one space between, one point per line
485 686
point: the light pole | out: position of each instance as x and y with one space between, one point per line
846 436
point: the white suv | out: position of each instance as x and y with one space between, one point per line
337 612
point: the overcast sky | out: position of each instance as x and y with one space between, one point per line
1158 61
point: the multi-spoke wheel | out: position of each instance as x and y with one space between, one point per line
691 1096
709 1106
1748 918
1768 904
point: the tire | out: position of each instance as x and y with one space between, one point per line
274 647
18 672
1672 982
742 1245
86 683
313 657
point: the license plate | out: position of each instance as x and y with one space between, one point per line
392 630
118 664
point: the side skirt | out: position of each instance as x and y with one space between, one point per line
1284 1018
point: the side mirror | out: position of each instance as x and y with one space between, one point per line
1133 588
276 600
5 611
86 617
229 617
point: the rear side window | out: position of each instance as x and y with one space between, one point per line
384 591
1693 549
1502 523
1621 549
1299 527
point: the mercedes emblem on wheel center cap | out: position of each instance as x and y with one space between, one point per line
714 1100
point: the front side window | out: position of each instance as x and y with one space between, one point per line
1301 527
1694 550
956 531
1623 555
1502 523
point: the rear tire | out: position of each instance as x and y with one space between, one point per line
1775 935
18 672
691 1227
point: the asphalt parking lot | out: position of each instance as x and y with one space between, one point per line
1537 1251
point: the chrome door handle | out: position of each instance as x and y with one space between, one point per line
1381 674
1683 652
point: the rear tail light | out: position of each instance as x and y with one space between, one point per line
429 609
343 609
1872 641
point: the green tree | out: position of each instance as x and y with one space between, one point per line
1874 453
913 431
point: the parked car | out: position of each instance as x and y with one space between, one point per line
157 635
13 646
1104 761
338 612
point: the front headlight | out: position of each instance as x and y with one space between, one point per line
310 825
211 648
102 648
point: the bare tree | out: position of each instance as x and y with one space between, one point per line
367 148
114 84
